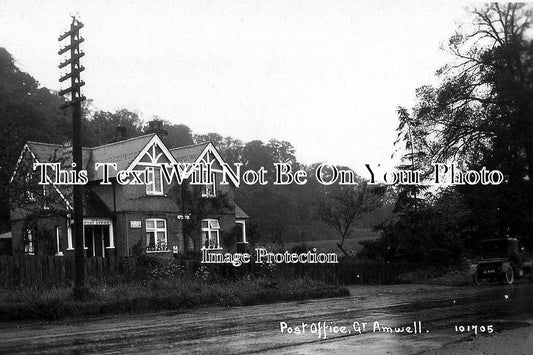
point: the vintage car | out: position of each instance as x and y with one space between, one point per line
501 260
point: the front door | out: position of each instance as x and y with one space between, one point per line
96 240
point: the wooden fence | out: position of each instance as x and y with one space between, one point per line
51 270
57 270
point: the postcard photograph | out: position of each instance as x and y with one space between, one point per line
266 177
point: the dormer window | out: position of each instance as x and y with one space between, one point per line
28 194
209 190
46 205
154 184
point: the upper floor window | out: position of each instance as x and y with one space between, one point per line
29 194
155 185
156 234
210 234
46 193
209 190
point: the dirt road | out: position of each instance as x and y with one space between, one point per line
431 313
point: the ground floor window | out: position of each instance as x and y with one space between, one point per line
156 234
29 247
70 244
242 222
59 238
210 234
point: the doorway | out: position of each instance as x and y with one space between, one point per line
96 240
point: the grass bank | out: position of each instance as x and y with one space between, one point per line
161 294
444 276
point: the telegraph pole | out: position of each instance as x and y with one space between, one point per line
75 103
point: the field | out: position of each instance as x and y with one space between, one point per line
351 244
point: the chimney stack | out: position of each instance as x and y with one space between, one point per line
120 134
156 126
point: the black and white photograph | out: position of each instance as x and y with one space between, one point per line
266 177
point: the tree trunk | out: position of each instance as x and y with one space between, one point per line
343 251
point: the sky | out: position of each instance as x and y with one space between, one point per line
326 76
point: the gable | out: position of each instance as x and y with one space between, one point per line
131 154
189 153
199 153
154 153
34 152
210 155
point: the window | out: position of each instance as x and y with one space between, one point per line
29 247
242 222
59 238
156 235
70 245
208 190
210 234
28 194
154 184
46 206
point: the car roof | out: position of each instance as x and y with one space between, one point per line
496 239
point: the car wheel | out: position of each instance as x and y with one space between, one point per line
476 279
508 276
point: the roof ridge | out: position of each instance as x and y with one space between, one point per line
55 145
190 145
43 143
125 140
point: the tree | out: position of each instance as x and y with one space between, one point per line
179 135
27 112
486 94
101 127
282 151
256 154
343 206
482 113
442 226
273 209
415 153
231 150
212 137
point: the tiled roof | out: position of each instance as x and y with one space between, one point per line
7 235
94 206
239 213
46 152
122 153
189 153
